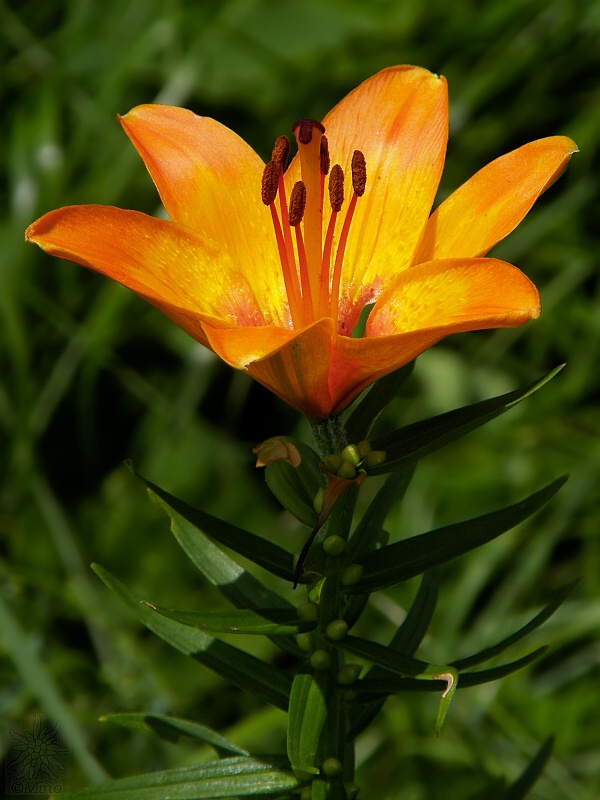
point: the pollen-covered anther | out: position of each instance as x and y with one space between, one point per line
359 173
303 129
281 151
297 204
336 188
270 183
324 155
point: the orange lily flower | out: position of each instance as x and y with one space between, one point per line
276 287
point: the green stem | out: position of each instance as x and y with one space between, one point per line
330 435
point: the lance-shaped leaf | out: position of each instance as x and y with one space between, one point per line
489 652
370 405
296 487
267 621
421 438
258 550
406 640
171 729
307 712
234 582
401 664
521 787
240 776
366 690
405 559
240 668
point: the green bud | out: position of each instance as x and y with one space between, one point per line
331 767
364 448
352 790
303 640
348 674
346 471
306 793
307 612
349 695
337 630
332 462
318 500
334 545
351 575
351 455
320 660
375 458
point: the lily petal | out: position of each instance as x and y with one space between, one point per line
454 295
294 365
209 180
491 204
178 272
399 120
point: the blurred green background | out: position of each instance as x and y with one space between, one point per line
90 375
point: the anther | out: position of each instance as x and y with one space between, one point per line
336 188
281 151
297 204
303 129
270 183
325 160
359 173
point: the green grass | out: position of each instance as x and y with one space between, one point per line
90 375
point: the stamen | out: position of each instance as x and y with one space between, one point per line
359 173
336 198
281 151
297 204
359 182
325 160
270 183
303 129
336 188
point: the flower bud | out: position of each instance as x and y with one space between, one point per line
320 660
331 767
334 545
351 575
346 471
348 674
307 612
351 454
337 630
364 448
375 458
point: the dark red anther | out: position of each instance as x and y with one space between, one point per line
270 183
359 173
297 204
303 128
281 151
325 160
336 187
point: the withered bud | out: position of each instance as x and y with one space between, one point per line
325 160
270 183
336 188
297 203
359 173
303 129
281 151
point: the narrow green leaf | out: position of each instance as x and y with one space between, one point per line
307 712
239 776
489 652
421 438
370 405
172 728
366 535
240 668
367 689
296 487
406 640
520 788
269 621
260 551
405 559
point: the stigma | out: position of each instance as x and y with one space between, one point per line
311 253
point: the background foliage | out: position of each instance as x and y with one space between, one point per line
90 375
